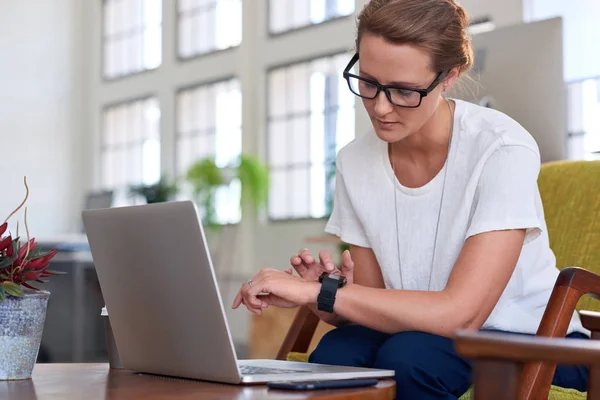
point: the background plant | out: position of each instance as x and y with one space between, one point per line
206 178
161 191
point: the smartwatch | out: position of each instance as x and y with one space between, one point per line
329 286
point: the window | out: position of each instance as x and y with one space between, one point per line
311 116
584 119
209 124
208 25
132 36
130 150
285 15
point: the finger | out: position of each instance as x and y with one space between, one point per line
295 260
306 257
326 260
249 295
347 265
252 309
298 265
237 301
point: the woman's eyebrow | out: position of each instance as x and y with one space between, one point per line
394 83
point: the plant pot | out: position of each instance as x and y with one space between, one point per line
21 326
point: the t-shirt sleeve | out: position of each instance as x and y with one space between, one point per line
507 195
343 221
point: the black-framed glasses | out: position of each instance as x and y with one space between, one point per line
398 96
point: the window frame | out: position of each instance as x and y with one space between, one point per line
115 104
176 115
267 70
109 79
274 34
182 59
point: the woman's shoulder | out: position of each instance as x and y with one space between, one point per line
488 129
361 152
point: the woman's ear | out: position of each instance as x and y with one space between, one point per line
450 79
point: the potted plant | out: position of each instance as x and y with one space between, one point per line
158 192
206 177
22 305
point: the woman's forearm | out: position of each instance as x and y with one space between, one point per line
393 311
329 318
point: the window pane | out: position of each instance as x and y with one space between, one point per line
277 93
304 138
132 36
299 133
213 114
208 25
279 151
185 36
300 201
278 207
285 15
131 144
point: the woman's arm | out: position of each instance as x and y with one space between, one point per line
476 282
368 274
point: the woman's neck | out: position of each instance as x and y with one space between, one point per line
430 142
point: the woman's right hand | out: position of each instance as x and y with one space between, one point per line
310 269
305 264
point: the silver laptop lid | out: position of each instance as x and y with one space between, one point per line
160 291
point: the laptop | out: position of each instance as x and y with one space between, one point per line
164 304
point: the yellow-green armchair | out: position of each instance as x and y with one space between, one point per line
570 192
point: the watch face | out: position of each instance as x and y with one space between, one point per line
336 277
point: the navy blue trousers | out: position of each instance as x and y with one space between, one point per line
426 365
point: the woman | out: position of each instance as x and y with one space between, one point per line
441 208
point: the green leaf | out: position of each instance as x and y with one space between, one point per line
56 272
37 253
2 295
7 262
13 289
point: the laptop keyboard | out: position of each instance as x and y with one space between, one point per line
253 370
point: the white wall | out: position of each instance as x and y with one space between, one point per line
502 12
40 106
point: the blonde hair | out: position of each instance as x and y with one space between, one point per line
438 26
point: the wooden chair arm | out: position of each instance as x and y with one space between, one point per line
572 283
526 348
591 321
499 360
300 334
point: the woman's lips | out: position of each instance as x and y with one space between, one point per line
386 124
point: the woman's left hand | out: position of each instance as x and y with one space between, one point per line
278 288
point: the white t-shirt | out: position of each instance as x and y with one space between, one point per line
491 184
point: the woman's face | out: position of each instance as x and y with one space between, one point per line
405 66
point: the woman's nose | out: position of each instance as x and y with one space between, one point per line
382 104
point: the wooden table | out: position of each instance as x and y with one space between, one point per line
97 382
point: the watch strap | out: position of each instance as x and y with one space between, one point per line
326 297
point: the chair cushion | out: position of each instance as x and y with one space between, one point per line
556 393
569 191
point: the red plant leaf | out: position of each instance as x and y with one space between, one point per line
29 286
11 249
37 264
6 246
3 228
50 254
31 276
23 249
